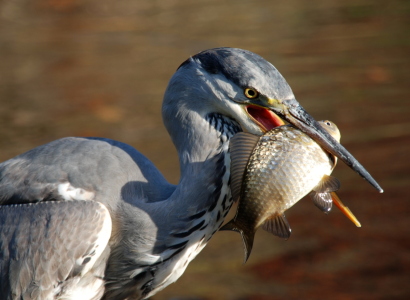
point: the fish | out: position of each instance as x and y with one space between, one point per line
272 172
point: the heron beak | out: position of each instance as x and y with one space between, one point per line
294 113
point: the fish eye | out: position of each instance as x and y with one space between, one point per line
251 93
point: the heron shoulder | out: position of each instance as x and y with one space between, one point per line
94 168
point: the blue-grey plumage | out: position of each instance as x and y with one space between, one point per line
32 232
156 228
272 172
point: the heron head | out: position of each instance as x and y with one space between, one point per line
244 86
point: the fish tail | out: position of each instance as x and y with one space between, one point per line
246 234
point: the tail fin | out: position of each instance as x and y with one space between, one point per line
247 237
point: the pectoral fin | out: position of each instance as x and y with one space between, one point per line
345 210
241 147
327 184
321 193
278 225
322 200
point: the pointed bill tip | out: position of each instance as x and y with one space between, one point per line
369 178
297 116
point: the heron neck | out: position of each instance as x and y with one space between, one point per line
204 159
201 142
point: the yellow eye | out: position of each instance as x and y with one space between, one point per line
251 93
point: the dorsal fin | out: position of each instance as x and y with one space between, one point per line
278 225
327 184
322 200
241 147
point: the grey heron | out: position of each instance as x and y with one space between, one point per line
92 218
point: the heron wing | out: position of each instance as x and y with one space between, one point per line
86 169
82 169
46 246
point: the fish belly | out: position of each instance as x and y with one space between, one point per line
282 169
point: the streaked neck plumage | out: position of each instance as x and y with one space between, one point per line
197 207
201 137
183 223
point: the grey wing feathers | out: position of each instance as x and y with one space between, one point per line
80 169
45 245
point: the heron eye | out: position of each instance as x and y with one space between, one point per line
251 93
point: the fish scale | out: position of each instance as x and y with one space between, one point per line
265 163
273 172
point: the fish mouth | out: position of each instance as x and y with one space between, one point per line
291 111
264 118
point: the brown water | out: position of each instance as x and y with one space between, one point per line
97 67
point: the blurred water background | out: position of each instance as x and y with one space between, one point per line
100 68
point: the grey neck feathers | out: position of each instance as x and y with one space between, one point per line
187 220
204 159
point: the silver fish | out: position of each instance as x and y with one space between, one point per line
270 173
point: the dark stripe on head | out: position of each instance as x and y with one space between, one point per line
237 65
